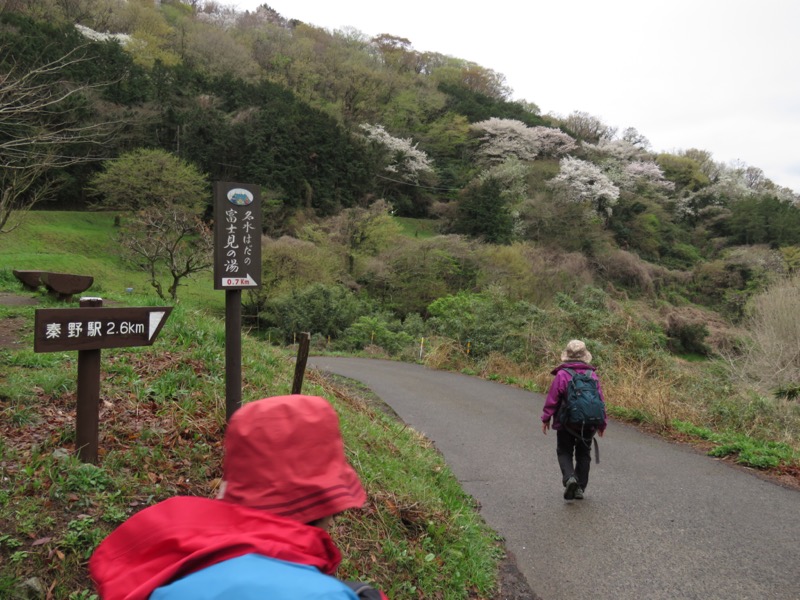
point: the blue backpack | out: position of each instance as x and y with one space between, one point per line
582 408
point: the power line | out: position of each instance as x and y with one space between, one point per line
427 187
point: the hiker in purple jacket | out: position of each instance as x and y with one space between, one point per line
571 445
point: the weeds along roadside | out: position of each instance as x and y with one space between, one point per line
161 416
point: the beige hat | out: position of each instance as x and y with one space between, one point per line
576 350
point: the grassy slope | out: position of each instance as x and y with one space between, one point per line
161 418
84 243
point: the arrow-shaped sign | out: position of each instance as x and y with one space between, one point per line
93 328
156 319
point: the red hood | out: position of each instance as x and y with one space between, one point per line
185 534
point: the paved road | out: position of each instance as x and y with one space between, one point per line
660 521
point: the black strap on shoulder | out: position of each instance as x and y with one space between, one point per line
363 590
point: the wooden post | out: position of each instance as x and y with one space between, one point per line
233 352
87 411
300 365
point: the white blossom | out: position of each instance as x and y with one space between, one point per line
91 34
553 142
582 181
618 149
503 138
648 172
404 158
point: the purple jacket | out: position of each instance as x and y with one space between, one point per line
558 390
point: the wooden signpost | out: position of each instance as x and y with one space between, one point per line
88 330
237 266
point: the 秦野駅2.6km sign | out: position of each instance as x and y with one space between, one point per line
94 328
237 236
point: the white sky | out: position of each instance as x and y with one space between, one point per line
718 75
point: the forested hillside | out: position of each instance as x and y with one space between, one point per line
545 227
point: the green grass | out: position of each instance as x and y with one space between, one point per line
745 450
161 427
417 228
84 243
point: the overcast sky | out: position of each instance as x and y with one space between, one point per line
718 75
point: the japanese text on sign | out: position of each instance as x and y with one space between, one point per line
94 328
240 245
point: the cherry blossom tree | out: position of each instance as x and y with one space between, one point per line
501 139
553 142
580 181
640 172
622 150
511 177
402 157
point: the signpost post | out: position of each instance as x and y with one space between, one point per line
89 329
237 266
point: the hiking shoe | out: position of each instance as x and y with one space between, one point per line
579 493
571 486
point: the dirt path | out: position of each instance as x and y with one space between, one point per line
660 520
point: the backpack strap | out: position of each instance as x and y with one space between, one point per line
569 429
584 440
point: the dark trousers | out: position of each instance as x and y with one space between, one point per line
574 457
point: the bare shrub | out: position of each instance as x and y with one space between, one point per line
445 213
498 363
624 268
663 277
758 258
643 387
774 357
444 354
719 337
553 271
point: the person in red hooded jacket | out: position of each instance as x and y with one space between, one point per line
285 476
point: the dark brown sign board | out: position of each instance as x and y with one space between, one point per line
94 328
237 236
88 330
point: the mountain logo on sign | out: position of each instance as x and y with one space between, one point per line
240 197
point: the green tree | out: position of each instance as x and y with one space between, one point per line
362 232
483 213
413 273
149 177
318 309
489 320
685 172
381 330
765 220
